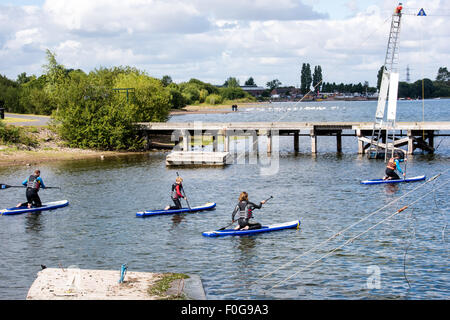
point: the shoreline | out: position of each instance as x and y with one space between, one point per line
34 157
226 108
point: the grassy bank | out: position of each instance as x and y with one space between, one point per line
33 145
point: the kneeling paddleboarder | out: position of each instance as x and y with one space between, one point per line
245 209
392 165
176 194
33 184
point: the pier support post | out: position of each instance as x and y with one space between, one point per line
186 139
148 141
214 142
313 136
255 141
226 141
339 141
431 139
296 141
410 142
360 142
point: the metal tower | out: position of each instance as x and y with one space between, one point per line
388 89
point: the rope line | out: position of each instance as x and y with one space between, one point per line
354 238
347 228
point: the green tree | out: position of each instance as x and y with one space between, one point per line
177 100
443 75
273 84
317 77
380 77
23 78
9 94
166 80
231 82
305 78
250 82
232 93
90 114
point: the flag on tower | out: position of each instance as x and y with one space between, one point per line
422 12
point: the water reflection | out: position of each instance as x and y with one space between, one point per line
176 219
391 188
33 223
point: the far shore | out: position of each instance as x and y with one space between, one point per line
226 108
221 108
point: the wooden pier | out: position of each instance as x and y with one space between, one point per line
414 135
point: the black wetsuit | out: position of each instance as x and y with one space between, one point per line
33 184
392 165
176 195
245 209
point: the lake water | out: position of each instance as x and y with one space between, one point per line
99 230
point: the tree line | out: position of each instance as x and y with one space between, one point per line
98 109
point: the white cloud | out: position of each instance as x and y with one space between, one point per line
211 41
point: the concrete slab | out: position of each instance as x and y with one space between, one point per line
184 158
79 284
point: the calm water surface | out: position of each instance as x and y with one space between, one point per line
99 230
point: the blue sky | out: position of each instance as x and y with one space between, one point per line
213 40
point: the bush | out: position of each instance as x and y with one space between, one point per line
10 134
177 100
232 93
91 114
214 99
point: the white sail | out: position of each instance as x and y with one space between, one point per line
392 102
383 95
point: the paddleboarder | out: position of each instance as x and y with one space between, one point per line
176 194
392 165
33 183
245 209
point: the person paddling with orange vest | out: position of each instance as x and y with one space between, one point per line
392 165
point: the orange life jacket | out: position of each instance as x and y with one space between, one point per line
391 164
398 9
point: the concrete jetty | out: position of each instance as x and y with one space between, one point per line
79 284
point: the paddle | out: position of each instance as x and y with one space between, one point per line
406 162
236 220
184 194
6 186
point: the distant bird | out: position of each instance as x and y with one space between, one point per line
43 266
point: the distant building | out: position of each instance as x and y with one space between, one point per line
253 90
285 93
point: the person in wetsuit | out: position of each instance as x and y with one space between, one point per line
176 194
245 209
33 184
392 165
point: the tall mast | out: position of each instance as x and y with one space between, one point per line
388 90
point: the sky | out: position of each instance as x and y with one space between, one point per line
212 40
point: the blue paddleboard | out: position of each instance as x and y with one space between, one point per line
147 213
45 206
273 227
378 181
